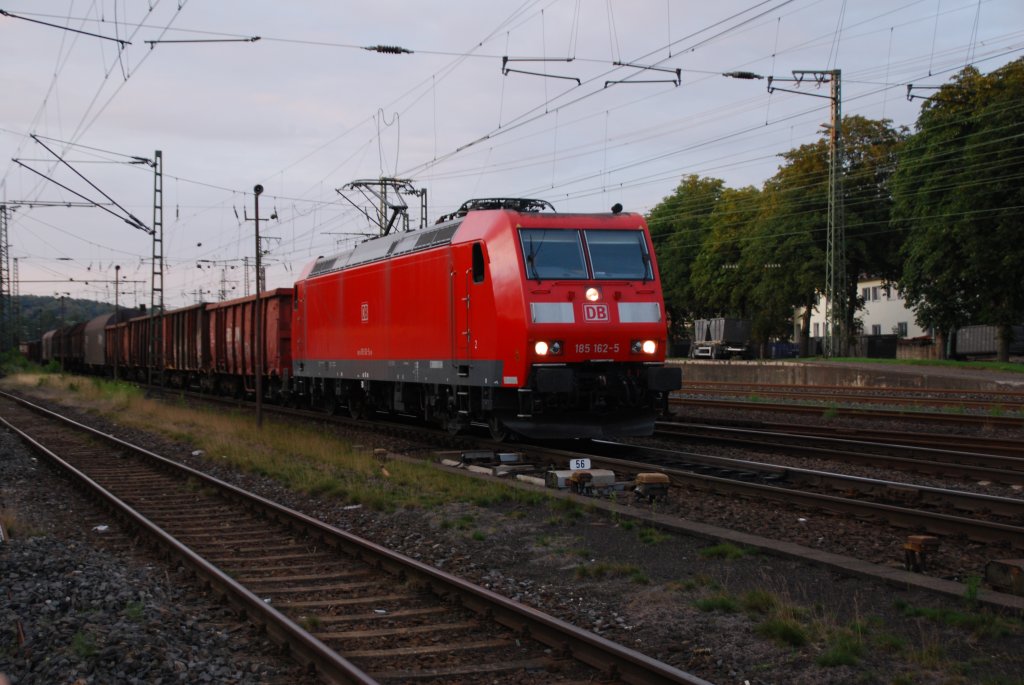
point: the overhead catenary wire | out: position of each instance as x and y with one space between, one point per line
306 204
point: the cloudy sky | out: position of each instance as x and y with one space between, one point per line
600 118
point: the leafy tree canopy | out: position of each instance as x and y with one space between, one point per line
757 254
959 200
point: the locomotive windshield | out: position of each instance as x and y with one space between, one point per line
619 255
559 254
553 253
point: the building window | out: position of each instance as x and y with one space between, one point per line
876 329
874 293
901 329
816 330
865 294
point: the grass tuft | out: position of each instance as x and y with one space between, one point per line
720 602
134 611
786 631
603 570
725 550
652 536
83 645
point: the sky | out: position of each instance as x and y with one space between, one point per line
588 111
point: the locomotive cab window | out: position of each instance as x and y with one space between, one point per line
551 253
619 255
478 263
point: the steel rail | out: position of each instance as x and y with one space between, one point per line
1012 396
951 463
612 659
308 650
908 415
859 398
949 441
937 522
946 524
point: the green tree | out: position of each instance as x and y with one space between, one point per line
717 278
787 246
795 222
959 199
679 224
871 149
758 254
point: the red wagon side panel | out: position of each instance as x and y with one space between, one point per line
138 342
185 342
232 344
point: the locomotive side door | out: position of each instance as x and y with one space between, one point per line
461 302
299 321
467 271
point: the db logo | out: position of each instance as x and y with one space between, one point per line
595 312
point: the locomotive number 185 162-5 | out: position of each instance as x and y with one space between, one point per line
596 348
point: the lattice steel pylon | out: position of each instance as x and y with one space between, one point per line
15 304
5 283
836 339
836 335
156 301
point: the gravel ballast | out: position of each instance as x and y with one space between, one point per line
725 616
82 605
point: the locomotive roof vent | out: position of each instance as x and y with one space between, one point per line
516 204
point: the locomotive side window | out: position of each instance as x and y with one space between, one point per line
551 253
619 255
478 263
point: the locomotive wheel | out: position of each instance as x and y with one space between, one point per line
357 407
499 431
453 423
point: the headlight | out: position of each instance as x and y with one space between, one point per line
593 294
645 346
544 348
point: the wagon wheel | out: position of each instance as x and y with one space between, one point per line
330 404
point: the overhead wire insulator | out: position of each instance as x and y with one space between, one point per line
388 49
743 74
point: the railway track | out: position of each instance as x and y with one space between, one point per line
982 518
349 609
883 450
1009 447
1008 400
903 505
835 410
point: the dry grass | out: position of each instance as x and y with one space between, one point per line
321 464
15 527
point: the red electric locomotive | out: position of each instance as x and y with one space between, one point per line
505 312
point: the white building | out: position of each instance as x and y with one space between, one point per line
885 312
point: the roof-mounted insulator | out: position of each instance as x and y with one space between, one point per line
388 49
